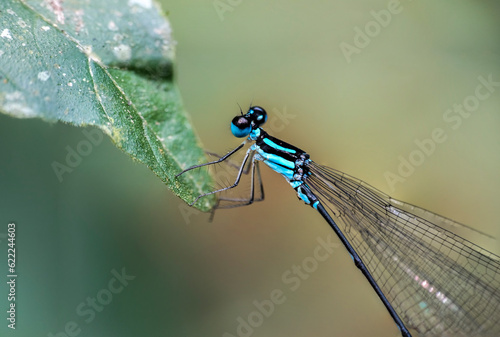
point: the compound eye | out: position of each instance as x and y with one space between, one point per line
258 114
240 126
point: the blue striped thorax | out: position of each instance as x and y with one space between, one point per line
286 159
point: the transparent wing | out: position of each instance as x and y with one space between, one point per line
449 224
439 283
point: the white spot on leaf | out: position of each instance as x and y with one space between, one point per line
56 7
143 3
123 52
15 104
78 20
43 76
6 34
112 26
21 23
45 28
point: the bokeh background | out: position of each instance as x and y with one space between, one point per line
195 278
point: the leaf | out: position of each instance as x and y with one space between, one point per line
105 63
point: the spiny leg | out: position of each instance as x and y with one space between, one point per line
251 199
237 178
230 162
224 157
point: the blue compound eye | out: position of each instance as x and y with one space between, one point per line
240 126
258 114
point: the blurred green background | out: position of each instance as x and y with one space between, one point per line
195 278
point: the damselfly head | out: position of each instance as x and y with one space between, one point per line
241 126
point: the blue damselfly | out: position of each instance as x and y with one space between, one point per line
430 279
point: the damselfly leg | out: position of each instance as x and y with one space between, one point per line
227 168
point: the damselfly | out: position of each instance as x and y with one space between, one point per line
429 279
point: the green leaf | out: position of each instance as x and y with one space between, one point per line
105 63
